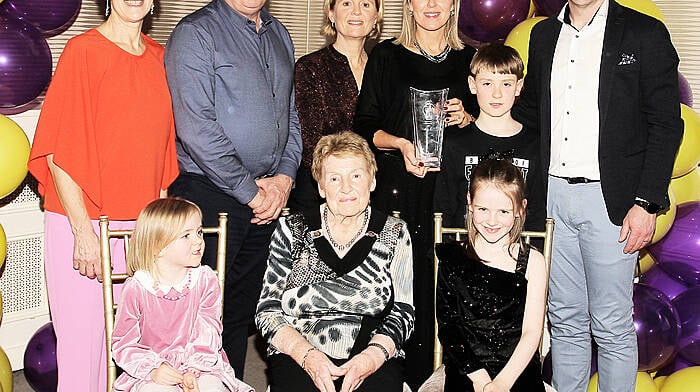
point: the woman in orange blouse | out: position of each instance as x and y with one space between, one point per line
104 145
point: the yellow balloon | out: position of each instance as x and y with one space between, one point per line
519 37
684 380
644 6
659 381
689 153
646 261
687 187
530 12
3 246
14 154
665 220
644 383
5 372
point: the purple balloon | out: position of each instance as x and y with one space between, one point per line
673 366
686 93
660 280
678 253
549 7
48 16
40 368
25 62
688 305
491 20
657 325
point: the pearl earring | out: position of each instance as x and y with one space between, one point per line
410 12
153 7
107 9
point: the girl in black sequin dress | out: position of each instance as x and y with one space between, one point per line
491 291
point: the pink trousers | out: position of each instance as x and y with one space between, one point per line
76 307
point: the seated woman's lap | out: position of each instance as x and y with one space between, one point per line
285 375
206 382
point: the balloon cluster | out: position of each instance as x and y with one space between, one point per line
25 68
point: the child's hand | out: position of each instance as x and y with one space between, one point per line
166 375
495 386
189 382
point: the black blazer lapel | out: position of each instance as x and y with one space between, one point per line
612 40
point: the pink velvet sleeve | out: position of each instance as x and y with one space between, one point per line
203 349
133 357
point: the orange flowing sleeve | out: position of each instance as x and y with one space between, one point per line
66 128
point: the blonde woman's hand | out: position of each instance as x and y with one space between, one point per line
456 115
166 375
413 165
322 371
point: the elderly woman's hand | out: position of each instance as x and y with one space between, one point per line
456 115
322 371
358 368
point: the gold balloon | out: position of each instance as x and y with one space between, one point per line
519 37
687 187
5 372
684 380
664 221
646 261
14 154
3 246
644 383
659 381
530 12
688 155
644 6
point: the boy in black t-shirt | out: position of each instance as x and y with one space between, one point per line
496 79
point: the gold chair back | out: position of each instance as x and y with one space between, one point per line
461 235
109 278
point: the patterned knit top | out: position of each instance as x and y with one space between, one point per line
338 304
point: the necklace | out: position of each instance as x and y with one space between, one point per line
353 239
177 295
438 58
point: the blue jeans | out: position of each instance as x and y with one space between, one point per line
247 248
590 292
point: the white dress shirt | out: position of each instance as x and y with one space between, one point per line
574 90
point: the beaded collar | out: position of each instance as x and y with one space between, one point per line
171 293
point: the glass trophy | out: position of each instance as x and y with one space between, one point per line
428 124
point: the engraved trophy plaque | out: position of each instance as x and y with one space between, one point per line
428 124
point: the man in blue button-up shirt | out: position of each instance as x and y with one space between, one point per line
230 68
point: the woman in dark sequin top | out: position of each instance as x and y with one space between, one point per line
327 83
491 291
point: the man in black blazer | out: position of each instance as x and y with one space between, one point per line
602 87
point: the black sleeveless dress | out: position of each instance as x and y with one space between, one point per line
480 313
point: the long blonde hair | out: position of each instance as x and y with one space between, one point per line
158 224
408 28
508 179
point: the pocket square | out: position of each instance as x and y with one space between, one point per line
626 59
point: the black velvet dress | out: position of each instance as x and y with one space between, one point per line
480 312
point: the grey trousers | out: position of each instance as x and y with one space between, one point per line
590 292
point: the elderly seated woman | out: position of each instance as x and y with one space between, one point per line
336 304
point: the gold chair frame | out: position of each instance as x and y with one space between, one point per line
109 278
439 231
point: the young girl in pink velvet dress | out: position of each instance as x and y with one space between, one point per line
167 334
